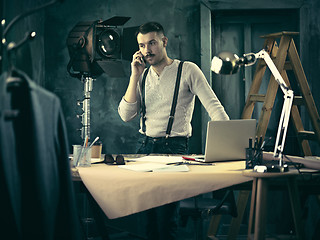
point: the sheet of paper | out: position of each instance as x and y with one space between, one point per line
155 167
160 159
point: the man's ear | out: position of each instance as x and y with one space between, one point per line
165 41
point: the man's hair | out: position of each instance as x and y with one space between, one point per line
150 27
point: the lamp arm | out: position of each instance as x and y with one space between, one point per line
266 57
283 127
286 108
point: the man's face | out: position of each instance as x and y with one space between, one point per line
152 46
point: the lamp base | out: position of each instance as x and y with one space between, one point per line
271 168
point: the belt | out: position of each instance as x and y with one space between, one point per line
158 139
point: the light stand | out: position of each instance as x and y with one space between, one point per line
85 116
96 47
229 64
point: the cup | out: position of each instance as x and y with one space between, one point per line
96 150
81 157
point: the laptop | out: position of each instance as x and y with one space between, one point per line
228 140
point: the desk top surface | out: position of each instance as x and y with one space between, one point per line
120 192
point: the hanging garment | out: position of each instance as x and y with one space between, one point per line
37 199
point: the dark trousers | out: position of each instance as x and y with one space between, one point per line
162 222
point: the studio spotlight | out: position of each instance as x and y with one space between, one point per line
100 46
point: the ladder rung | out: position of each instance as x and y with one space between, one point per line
257 97
263 63
308 135
298 100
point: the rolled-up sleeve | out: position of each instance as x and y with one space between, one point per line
127 111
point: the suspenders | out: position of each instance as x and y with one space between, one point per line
143 104
174 100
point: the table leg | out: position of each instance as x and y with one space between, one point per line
261 203
295 206
252 207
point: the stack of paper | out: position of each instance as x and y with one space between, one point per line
157 164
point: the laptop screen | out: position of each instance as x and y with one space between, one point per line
227 140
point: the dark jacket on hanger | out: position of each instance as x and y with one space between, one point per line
37 199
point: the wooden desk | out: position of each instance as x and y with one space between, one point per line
258 210
121 192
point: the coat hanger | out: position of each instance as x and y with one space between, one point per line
10 48
14 75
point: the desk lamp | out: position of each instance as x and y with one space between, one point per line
229 63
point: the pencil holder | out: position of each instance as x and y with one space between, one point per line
249 158
81 156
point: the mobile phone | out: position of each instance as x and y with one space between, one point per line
143 60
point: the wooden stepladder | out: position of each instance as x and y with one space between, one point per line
286 58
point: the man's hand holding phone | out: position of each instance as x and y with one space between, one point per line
137 64
137 67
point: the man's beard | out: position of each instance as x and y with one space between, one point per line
154 59
149 57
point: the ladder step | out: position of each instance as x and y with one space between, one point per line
257 97
298 100
308 135
279 34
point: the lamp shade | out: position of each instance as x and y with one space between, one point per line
225 63
109 43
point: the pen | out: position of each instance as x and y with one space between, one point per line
201 164
255 143
94 141
90 146
189 163
174 163
260 142
188 157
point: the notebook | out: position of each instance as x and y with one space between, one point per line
228 140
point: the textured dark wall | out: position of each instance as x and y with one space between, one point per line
45 59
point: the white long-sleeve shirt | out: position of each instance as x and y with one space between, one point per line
159 92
